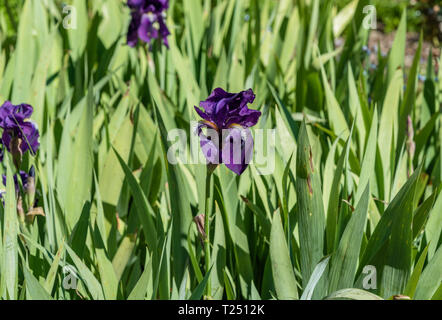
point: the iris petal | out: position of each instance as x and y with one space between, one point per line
237 150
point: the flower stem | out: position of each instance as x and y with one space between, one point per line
207 229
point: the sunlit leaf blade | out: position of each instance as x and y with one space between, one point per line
282 269
310 208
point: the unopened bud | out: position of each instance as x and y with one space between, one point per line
16 152
199 221
20 211
411 145
30 187
410 136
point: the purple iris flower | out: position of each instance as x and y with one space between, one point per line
147 21
24 180
16 130
226 120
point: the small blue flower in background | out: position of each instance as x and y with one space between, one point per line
147 21
366 50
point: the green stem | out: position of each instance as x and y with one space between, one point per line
207 229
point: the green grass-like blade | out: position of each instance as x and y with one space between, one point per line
9 263
34 290
87 276
431 278
344 260
282 269
310 208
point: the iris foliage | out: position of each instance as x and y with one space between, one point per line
357 164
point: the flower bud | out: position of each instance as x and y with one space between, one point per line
16 151
199 221
30 187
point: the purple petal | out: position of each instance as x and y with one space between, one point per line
5 111
135 3
6 139
247 97
11 115
246 118
226 108
210 147
24 179
23 111
202 114
164 31
210 103
30 138
237 149
132 33
146 31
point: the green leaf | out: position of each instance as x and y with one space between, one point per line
10 246
353 294
108 277
388 128
345 259
336 117
283 275
142 287
421 214
25 56
431 278
87 276
393 235
78 32
144 210
79 184
35 291
311 217
334 200
414 278
52 274
397 53
314 279
199 290
218 256
123 254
